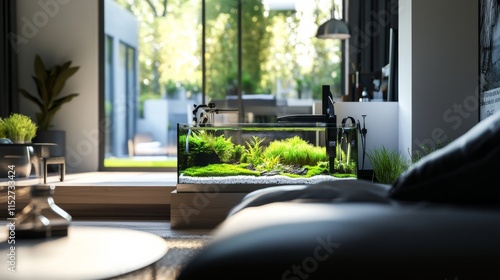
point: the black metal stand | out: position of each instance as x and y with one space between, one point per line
43 159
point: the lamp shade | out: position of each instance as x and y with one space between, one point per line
333 29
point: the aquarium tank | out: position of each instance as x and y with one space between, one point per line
298 149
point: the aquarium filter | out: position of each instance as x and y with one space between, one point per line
203 115
348 140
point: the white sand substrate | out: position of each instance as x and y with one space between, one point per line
245 179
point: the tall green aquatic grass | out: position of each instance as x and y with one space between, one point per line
295 151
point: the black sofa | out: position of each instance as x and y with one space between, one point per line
439 220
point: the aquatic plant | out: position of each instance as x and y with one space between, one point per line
271 164
198 151
221 145
344 163
253 151
295 151
223 169
238 152
312 170
207 154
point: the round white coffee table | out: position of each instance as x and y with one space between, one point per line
86 253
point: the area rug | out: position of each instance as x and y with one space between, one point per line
180 250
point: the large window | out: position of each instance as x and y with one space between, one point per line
164 57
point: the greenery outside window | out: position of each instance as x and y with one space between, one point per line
182 53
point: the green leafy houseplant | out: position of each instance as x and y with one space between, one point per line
49 83
18 128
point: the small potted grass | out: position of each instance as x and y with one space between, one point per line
19 128
16 159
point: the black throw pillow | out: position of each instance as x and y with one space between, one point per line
340 191
464 171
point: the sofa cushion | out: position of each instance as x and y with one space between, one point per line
464 171
331 191
297 240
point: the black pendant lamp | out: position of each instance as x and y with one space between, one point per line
333 29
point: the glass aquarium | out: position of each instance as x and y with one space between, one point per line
243 157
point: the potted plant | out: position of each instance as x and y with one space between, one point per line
16 129
50 83
387 165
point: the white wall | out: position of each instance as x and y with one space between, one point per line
62 30
381 123
438 62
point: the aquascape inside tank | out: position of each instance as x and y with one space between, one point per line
298 149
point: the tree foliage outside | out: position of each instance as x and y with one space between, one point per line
279 48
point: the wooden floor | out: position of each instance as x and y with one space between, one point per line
127 196
104 178
103 195
160 228
96 198
132 200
